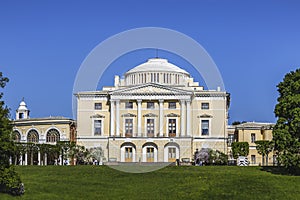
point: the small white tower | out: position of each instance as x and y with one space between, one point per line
22 112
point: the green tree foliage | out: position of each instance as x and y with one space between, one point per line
286 132
264 147
10 181
240 149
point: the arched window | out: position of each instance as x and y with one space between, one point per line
16 136
33 136
52 135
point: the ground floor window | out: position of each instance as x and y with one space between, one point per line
171 154
253 159
150 154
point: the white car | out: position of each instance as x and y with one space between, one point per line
242 161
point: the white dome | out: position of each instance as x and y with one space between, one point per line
156 70
157 65
22 106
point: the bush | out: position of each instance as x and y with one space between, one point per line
10 182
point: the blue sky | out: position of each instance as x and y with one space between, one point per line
43 43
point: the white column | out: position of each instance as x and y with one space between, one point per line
161 118
188 118
45 159
21 159
118 118
182 118
112 118
61 162
25 159
39 157
139 119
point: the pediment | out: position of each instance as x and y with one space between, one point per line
150 115
128 115
150 89
172 115
204 116
97 116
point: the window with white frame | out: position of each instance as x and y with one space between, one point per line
52 135
150 127
128 127
97 127
253 137
204 127
172 127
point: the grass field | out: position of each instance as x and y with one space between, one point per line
102 182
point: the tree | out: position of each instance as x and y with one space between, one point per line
240 149
264 147
238 122
286 132
10 181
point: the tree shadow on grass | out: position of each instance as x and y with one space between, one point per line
281 170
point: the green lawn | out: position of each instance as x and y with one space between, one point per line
102 182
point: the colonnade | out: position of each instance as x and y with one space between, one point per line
185 118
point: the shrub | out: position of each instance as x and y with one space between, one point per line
10 182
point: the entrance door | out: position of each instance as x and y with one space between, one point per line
150 154
128 154
172 154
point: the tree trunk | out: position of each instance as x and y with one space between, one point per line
263 160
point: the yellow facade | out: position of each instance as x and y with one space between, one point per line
156 114
251 132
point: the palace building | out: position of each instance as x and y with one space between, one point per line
48 130
156 113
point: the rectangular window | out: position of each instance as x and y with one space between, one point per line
128 127
97 127
172 105
204 127
252 137
204 106
150 105
129 105
230 139
253 159
98 106
150 127
172 127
